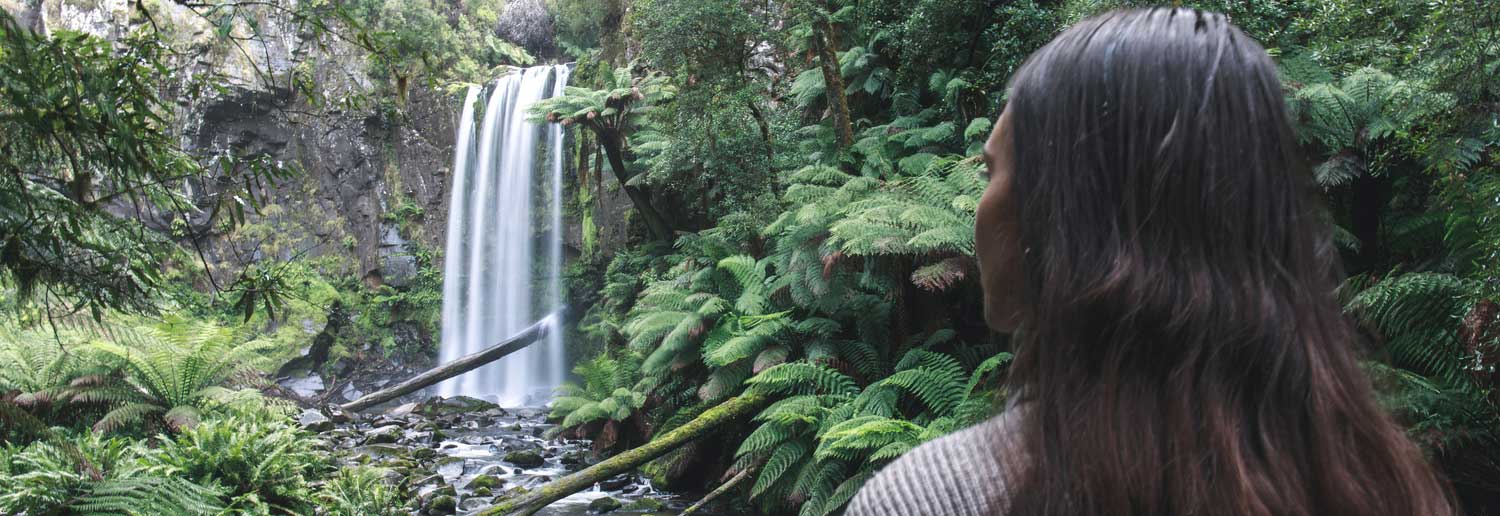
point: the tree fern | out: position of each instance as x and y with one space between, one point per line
1419 315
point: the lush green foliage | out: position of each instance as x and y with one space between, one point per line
845 286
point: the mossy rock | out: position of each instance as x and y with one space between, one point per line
511 494
435 407
603 505
646 505
485 481
525 458
442 504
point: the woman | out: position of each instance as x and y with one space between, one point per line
1151 237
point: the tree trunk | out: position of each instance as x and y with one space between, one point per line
738 477
526 337
1371 195
614 150
833 82
736 408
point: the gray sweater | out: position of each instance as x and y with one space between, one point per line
960 474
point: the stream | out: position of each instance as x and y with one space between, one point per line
461 455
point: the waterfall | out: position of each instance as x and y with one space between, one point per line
503 259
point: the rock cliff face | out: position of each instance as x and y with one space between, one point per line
372 176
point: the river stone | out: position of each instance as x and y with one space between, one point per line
509 494
455 405
423 453
314 421
603 505
485 481
402 410
385 421
474 502
574 458
306 386
646 505
383 435
380 451
617 483
442 504
525 458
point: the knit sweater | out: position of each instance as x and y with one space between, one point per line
960 474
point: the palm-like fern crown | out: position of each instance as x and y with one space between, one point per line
1346 118
174 370
620 104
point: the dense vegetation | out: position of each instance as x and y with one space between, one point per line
803 187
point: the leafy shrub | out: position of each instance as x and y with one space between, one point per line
172 373
360 492
96 475
263 464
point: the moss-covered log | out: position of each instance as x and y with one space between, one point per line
526 337
736 408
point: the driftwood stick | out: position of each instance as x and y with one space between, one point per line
738 477
515 343
736 408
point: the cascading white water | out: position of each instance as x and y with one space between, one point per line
503 258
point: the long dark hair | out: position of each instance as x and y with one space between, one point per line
1183 351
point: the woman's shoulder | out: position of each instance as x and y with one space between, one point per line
957 474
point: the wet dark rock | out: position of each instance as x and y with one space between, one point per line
617 483
603 505
525 458
423 453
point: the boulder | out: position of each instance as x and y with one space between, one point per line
442 504
436 406
314 421
525 458
646 505
603 505
486 482
383 435
617 483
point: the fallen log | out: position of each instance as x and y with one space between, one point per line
515 343
736 408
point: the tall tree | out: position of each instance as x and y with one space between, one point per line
612 113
